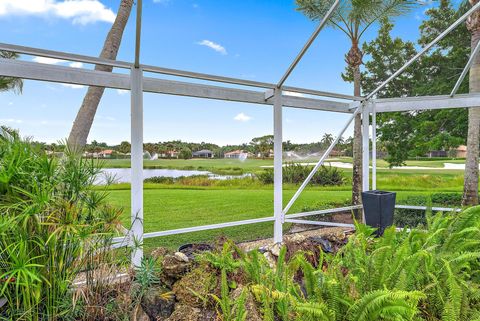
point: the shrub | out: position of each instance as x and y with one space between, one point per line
294 173
52 225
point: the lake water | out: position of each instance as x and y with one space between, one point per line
123 175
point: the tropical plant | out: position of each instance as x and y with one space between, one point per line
418 274
294 173
86 114
354 18
52 226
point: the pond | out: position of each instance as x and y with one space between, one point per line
123 175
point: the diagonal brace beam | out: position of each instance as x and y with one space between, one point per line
308 44
425 49
322 160
466 69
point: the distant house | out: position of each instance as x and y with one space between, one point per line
204 153
169 154
461 151
107 153
236 154
437 153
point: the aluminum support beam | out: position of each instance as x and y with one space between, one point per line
465 70
308 43
320 212
320 223
165 71
425 49
64 56
137 166
278 167
208 227
62 74
426 103
321 161
374 146
365 150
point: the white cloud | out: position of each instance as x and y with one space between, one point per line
49 61
73 86
242 117
10 103
122 92
76 65
78 11
215 46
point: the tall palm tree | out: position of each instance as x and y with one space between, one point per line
470 187
327 139
353 18
83 122
10 83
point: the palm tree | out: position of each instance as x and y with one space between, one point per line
83 122
470 187
327 140
354 17
10 83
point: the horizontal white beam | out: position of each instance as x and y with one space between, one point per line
424 208
426 102
78 76
165 71
320 223
207 227
320 212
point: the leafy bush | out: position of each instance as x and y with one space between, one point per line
294 173
52 225
428 274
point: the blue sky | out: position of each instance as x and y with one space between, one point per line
246 39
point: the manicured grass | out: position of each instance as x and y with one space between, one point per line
167 209
201 201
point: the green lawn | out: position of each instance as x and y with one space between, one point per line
167 208
178 206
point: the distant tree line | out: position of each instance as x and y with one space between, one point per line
261 147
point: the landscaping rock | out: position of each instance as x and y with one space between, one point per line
174 267
184 312
181 257
158 303
195 287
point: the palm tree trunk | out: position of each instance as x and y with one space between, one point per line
84 120
470 188
357 144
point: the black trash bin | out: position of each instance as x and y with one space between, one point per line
379 207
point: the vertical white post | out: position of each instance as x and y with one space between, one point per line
366 148
137 164
374 147
277 167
